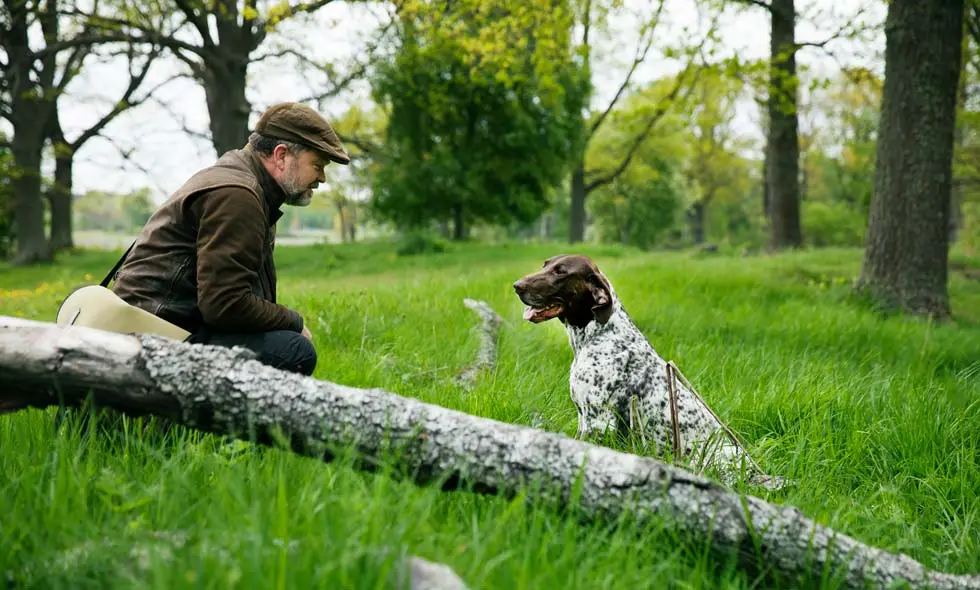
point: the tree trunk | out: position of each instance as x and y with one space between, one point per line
695 216
576 217
765 185
32 240
459 223
956 197
60 200
223 390
343 222
783 174
228 107
906 258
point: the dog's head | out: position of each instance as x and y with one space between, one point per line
569 287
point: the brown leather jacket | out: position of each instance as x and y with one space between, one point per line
204 258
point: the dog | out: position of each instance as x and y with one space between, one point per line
618 382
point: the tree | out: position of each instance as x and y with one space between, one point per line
479 127
32 77
638 212
7 232
713 169
965 206
840 162
782 158
28 85
218 42
641 205
584 180
59 194
906 258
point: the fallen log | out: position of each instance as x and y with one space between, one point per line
486 355
225 391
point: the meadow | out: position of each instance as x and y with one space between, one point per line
875 416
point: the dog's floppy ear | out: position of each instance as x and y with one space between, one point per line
602 296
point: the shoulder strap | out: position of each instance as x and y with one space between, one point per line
112 273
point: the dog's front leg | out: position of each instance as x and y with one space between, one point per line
583 424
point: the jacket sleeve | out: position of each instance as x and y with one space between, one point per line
231 232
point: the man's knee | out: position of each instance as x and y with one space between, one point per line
291 351
282 349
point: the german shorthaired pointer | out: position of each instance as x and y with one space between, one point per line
618 381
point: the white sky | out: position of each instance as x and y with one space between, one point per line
163 155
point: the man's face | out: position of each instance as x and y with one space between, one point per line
300 175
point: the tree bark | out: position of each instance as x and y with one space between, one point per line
228 108
224 390
783 161
459 223
695 216
30 105
765 185
343 221
27 146
576 218
906 258
59 199
956 196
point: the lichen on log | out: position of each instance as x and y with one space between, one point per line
221 390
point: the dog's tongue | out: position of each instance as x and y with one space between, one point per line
539 314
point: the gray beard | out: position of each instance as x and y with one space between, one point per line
302 199
296 196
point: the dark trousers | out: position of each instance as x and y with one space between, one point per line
282 349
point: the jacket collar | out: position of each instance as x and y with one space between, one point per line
271 191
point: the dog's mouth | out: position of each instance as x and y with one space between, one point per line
541 314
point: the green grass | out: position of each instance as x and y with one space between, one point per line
876 417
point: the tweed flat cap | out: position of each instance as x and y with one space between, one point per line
296 122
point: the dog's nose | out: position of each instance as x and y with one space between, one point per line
519 285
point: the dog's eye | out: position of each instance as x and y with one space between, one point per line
559 270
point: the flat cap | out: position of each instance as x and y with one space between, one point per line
296 122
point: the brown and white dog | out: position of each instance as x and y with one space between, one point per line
618 382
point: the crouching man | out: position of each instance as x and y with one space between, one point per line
204 259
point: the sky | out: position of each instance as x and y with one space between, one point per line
163 141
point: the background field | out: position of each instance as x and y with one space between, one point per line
877 417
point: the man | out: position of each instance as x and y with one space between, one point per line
204 260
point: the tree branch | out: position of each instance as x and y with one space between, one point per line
72 66
639 56
302 7
973 23
356 71
199 22
127 156
125 102
759 3
227 391
364 145
847 29
663 106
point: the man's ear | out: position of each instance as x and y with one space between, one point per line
602 298
279 154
